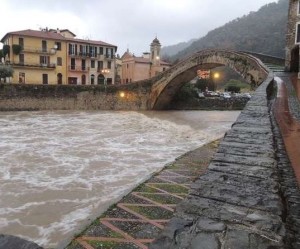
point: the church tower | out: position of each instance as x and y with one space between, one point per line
155 57
293 37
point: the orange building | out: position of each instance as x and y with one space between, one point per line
139 68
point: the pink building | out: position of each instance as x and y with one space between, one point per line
139 68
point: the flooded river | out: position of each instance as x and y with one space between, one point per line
57 169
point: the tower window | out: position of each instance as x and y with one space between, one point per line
298 33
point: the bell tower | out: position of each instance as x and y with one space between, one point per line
155 57
293 37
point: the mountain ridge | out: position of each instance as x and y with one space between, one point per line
261 31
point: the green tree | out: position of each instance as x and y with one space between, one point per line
16 49
5 71
6 50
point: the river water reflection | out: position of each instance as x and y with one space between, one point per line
60 168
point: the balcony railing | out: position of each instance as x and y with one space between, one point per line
40 65
81 54
78 68
91 55
39 50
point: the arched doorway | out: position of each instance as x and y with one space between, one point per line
92 79
295 59
59 78
83 79
100 79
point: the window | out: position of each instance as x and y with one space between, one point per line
101 51
44 46
109 52
59 79
92 79
21 58
21 77
72 80
101 79
44 60
45 78
83 65
92 51
92 64
83 50
298 33
100 65
72 49
109 81
58 46
73 64
83 79
59 61
21 42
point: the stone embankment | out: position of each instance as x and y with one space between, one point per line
248 198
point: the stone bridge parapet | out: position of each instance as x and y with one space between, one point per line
248 197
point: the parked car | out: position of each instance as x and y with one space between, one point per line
246 95
201 95
210 94
225 95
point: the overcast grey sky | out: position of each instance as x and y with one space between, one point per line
129 24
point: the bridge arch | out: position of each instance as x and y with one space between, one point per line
164 89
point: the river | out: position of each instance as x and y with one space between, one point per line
60 169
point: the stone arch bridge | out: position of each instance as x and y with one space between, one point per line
164 88
161 89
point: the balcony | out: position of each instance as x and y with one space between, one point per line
78 68
36 66
82 55
39 50
109 56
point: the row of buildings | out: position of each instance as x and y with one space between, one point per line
53 56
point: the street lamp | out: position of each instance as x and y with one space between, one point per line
216 75
105 72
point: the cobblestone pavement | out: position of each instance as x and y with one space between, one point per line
140 216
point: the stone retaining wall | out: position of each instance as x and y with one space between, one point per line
67 97
243 200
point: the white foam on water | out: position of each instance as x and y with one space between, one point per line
60 168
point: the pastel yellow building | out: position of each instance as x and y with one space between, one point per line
56 57
40 59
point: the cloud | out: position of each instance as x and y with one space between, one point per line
130 23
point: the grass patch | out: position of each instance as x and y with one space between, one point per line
171 188
153 213
144 188
162 199
103 244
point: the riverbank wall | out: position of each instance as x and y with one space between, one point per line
248 197
68 97
21 97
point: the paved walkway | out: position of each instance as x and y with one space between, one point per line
248 198
141 216
287 114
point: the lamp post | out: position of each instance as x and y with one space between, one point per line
105 71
